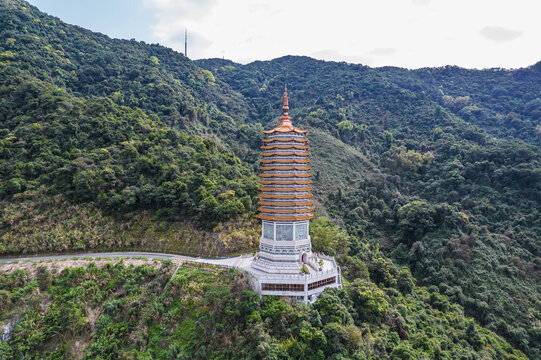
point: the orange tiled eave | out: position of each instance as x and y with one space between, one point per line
267 203
285 197
298 147
290 218
294 211
285 168
276 182
285 140
285 154
285 128
285 175
305 189
298 161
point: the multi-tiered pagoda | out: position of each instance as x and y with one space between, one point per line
286 200
285 264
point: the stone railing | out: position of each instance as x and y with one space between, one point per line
327 257
335 270
298 277
313 264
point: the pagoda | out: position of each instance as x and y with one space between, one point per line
285 264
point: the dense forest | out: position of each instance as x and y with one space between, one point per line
138 310
438 191
114 144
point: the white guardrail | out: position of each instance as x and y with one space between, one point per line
295 277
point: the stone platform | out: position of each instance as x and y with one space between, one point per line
304 287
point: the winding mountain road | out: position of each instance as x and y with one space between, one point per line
99 255
229 261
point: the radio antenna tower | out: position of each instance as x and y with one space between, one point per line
186 42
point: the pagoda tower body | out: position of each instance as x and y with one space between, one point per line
286 265
286 203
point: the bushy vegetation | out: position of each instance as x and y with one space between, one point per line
38 223
117 157
97 150
506 103
116 311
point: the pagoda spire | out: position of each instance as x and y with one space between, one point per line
285 119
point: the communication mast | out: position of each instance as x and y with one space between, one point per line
186 42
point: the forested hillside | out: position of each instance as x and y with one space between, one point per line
436 192
137 310
110 144
105 136
505 103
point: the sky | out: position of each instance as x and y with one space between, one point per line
405 33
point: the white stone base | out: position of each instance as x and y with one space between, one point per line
248 264
261 275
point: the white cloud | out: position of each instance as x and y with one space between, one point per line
178 7
174 17
334 55
383 51
421 2
377 33
500 34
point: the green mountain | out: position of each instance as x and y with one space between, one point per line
403 168
113 144
82 122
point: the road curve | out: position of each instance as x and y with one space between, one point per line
126 254
237 262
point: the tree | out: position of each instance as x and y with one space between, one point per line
369 300
327 237
415 219
331 309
